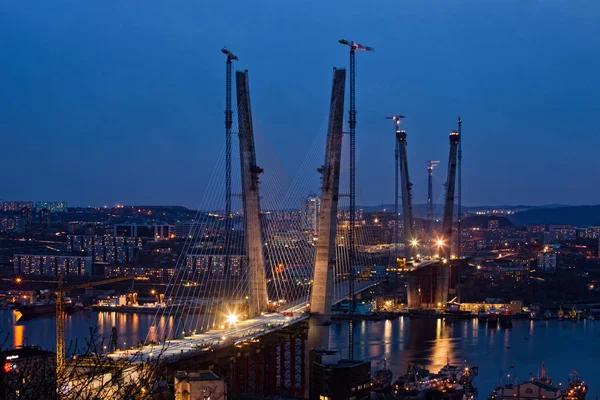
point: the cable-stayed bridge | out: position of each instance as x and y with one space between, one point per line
262 255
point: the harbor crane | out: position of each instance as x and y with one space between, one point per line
60 313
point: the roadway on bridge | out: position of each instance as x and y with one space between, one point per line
175 349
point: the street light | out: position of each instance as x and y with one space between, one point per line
232 319
414 243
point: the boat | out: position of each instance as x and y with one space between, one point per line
452 382
40 309
505 317
540 388
454 373
382 379
560 314
573 314
577 389
419 313
492 316
458 314
547 315
533 315
413 373
482 315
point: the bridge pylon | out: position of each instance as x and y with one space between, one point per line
325 256
257 296
448 221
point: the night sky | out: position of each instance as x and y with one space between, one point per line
122 101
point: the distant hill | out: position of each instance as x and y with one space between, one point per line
420 210
574 215
481 221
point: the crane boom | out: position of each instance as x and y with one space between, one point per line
431 164
402 161
60 314
352 125
98 283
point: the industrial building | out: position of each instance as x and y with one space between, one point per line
203 385
332 378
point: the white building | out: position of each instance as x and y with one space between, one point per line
546 261
312 211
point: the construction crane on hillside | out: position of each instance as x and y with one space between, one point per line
228 123
354 47
60 313
431 164
402 169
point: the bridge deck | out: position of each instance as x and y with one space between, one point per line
424 264
176 349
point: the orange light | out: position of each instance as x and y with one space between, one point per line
18 280
7 367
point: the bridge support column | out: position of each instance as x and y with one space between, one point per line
325 258
250 196
282 367
411 291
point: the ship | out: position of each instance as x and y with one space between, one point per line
423 313
482 315
452 382
382 379
541 388
492 316
414 373
41 308
577 389
505 317
533 315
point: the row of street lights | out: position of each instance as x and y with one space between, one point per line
439 243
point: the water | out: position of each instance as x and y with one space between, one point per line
562 345
41 331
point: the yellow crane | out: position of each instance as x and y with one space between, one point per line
60 313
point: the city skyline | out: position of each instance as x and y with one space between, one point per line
131 101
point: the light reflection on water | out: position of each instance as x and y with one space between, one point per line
131 328
562 345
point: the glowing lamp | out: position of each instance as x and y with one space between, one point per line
232 318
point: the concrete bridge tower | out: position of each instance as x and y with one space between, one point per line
325 258
250 171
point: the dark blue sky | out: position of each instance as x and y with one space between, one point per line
105 102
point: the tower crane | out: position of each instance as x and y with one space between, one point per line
228 123
402 163
431 164
396 118
354 47
60 313
459 166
